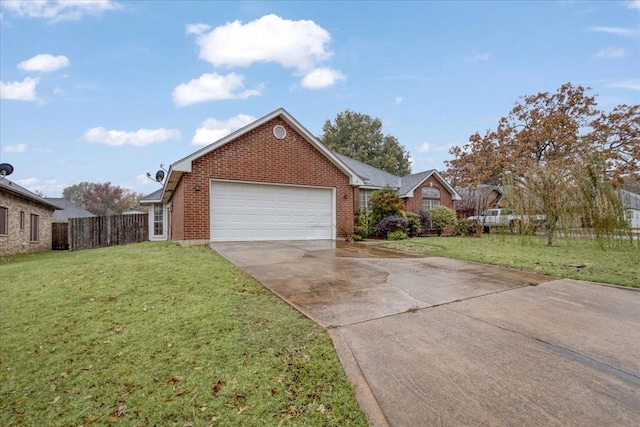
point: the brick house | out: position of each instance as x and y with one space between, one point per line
273 180
25 220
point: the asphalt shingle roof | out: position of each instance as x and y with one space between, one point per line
12 187
372 176
69 210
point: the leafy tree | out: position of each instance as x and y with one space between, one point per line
104 199
383 203
360 137
75 193
541 148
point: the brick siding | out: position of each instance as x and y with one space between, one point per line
257 156
414 204
18 240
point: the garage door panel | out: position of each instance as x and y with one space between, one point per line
244 211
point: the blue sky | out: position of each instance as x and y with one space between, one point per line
109 90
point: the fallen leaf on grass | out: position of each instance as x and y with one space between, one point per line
172 380
181 392
121 410
89 421
216 388
203 408
55 400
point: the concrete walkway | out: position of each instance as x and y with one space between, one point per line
434 341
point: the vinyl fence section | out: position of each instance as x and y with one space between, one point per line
101 231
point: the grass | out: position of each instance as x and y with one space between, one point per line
157 334
615 262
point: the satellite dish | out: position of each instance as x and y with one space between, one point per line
5 169
160 175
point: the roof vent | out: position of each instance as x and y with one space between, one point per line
279 132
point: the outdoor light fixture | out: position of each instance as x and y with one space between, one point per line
197 187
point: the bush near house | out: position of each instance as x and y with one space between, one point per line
392 224
441 218
384 203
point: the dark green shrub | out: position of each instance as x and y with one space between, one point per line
442 217
415 227
391 224
397 235
467 227
384 203
364 223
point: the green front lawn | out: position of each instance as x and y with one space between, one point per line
156 334
616 262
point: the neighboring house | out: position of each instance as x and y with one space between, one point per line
273 180
133 212
476 200
25 220
68 210
631 203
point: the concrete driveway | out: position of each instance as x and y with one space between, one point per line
433 341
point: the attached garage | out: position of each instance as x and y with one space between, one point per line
245 211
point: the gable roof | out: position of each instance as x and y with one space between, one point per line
184 165
377 178
12 187
68 210
155 197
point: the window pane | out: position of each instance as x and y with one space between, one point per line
34 232
21 220
431 192
158 220
4 219
428 204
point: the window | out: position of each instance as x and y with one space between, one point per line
4 220
34 232
365 196
158 219
21 220
430 198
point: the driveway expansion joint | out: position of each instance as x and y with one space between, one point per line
567 352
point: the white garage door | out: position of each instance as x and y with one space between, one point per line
241 211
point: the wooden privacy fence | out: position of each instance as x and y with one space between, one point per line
60 236
101 231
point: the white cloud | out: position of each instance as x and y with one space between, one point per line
610 52
59 10
44 63
634 4
292 44
21 91
321 78
18 148
425 147
197 28
479 57
212 87
399 100
139 138
633 84
212 130
625 32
